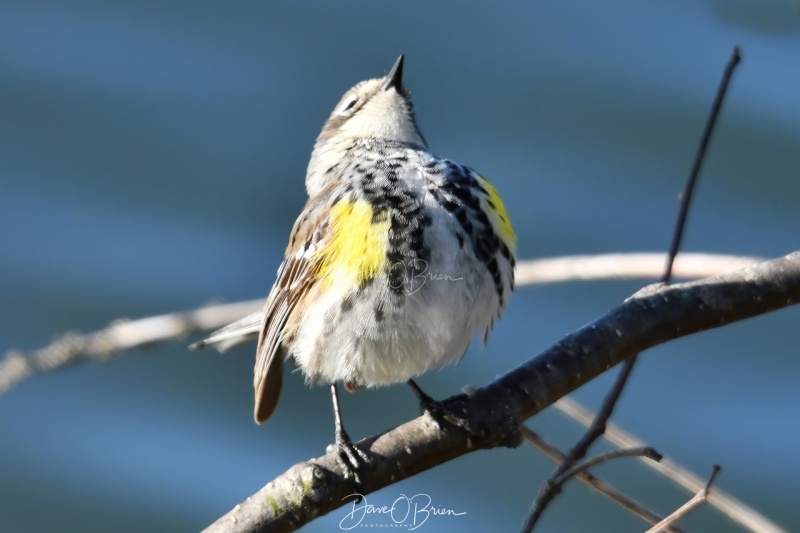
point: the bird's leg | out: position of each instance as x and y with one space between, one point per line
436 409
352 459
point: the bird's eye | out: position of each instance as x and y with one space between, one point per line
353 101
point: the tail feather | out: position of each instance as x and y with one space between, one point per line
233 334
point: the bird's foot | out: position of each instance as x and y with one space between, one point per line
352 459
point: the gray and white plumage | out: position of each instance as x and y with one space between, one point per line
398 258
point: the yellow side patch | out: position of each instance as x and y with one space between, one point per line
356 251
498 215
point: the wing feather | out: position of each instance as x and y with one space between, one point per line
296 275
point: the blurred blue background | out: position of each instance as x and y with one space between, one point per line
152 159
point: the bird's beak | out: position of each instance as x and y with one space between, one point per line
395 76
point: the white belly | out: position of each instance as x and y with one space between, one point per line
383 338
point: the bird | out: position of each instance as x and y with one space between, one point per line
398 259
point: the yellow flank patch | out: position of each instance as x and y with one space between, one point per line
356 251
498 215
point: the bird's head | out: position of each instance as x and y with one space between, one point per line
379 108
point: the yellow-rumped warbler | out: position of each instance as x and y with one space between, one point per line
397 259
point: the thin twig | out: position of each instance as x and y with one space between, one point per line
644 451
601 486
686 196
604 488
733 508
550 489
698 499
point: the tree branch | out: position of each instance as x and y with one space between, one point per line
640 265
652 316
74 348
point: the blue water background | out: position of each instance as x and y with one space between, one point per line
152 159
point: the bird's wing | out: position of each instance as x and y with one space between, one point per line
296 275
